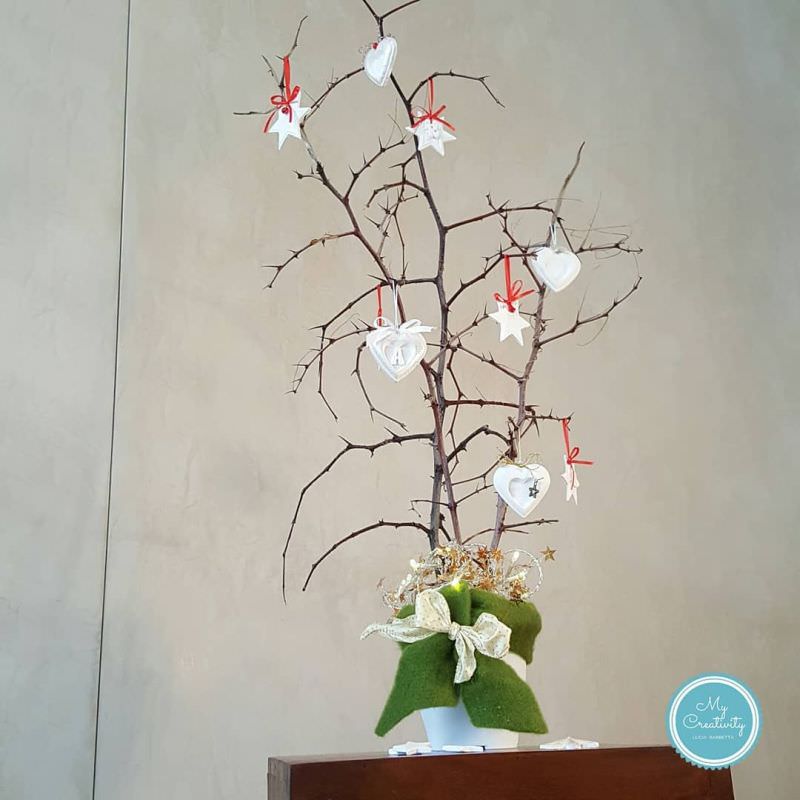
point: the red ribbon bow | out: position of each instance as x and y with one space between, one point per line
283 102
428 113
513 290
572 452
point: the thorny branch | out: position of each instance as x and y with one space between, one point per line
349 447
444 390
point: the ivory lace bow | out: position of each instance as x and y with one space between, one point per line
431 615
384 327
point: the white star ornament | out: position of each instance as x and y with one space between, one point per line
431 133
511 323
288 124
570 476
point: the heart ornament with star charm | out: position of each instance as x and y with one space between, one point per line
521 486
379 60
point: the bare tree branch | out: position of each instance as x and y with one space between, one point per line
378 228
355 534
579 323
349 447
295 254
518 527
482 79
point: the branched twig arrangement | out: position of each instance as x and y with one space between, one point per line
443 392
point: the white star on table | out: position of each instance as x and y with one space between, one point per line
511 323
570 744
570 475
431 133
284 127
411 749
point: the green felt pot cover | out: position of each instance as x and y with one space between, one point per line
495 696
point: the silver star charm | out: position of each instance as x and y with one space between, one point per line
284 127
570 476
511 323
431 133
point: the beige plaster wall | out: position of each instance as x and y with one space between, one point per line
681 556
62 70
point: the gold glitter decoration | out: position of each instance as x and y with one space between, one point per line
549 554
504 573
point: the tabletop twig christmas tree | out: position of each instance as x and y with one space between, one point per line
526 271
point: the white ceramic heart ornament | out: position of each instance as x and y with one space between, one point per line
521 486
379 60
397 348
556 266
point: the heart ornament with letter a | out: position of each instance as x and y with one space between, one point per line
521 486
397 349
379 60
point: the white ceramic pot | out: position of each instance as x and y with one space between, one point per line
451 725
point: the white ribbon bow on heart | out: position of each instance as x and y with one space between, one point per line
383 327
431 615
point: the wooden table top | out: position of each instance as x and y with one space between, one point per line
527 773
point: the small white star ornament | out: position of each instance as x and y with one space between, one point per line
431 133
430 128
287 121
511 323
521 486
379 60
507 314
570 476
286 117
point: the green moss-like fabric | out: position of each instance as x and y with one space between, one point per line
495 696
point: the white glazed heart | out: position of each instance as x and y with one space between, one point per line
521 487
556 268
398 350
379 60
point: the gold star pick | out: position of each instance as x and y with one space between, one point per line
549 554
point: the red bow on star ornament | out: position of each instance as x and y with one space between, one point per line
430 127
287 115
570 475
507 314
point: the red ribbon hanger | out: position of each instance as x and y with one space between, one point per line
428 113
283 102
513 290
378 289
572 452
